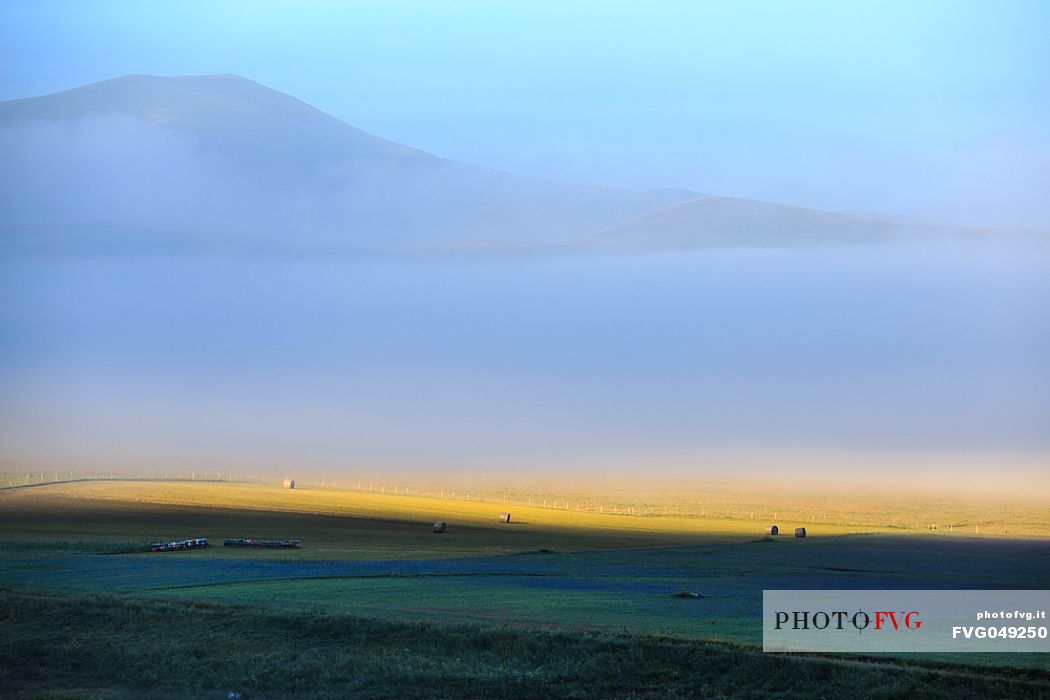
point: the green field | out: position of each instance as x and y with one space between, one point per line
484 606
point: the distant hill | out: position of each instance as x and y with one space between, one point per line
709 221
221 164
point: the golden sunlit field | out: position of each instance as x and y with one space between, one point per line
346 520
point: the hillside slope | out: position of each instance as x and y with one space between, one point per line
709 221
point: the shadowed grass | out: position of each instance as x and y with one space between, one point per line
99 646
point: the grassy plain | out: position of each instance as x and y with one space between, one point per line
601 584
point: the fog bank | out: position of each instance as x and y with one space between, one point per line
707 363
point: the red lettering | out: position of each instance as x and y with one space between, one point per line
912 623
881 615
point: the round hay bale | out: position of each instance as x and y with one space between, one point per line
289 483
800 532
504 517
773 530
439 526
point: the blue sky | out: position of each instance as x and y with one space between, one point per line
937 110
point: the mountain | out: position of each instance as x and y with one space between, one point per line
221 164
222 112
223 158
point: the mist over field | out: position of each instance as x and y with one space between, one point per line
852 359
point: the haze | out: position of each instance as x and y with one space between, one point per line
707 363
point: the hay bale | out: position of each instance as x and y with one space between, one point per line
773 530
439 526
800 532
289 483
504 517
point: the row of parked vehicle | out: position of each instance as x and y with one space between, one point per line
194 543
198 542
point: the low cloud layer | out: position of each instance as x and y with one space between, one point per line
661 359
